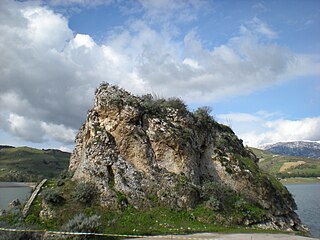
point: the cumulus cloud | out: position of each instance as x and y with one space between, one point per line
308 128
262 28
48 73
240 117
37 131
240 66
59 133
27 129
263 127
84 3
43 66
259 6
173 10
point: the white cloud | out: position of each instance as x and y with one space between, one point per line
308 128
259 6
82 40
46 29
263 28
37 131
12 101
43 77
263 127
65 149
27 129
84 3
192 63
239 117
59 132
265 114
48 74
173 10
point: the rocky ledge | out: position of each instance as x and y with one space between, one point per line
142 151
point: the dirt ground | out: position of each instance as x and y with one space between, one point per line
288 165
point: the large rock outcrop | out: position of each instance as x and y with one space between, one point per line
138 149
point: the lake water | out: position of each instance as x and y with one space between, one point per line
307 197
10 191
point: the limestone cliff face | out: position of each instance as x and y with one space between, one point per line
139 149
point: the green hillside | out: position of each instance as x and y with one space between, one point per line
283 166
30 164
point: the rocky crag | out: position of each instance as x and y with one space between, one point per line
142 151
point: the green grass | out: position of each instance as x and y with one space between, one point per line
152 221
162 220
30 164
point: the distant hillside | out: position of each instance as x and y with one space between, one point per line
297 148
287 166
30 164
5 146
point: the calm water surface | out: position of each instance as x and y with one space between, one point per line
11 191
307 197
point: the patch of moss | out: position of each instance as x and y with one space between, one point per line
249 164
35 207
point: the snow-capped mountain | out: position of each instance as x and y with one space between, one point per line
294 148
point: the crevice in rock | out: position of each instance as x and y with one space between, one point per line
110 176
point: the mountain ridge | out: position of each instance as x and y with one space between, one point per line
294 148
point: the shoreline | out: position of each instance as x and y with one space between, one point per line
299 180
17 184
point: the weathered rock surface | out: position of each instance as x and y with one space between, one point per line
15 203
46 213
2 212
137 149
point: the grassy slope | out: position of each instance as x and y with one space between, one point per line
272 163
30 164
157 220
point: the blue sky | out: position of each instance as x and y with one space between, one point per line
255 63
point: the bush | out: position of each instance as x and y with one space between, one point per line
151 105
60 183
176 103
66 174
85 192
240 204
213 203
158 106
83 223
116 101
32 219
217 195
202 116
50 196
